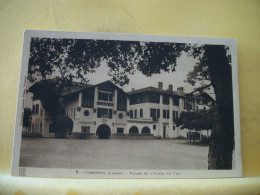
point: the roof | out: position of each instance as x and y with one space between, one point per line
77 89
74 89
154 89
202 96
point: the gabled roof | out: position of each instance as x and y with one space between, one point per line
77 89
153 89
203 95
74 89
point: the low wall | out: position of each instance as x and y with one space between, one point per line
133 136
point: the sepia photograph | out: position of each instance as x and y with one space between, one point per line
100 105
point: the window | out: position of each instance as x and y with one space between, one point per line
154 127
120 115
37 109
135 113
158 113
144 99
104 113
121 102
87 99
154 113
154 98
86 113
105 96
175 101
166 99
120 130
166 114
204 108
33 110
173 128
204 102
74 113
141 113
188 104
174 116
85 129
131 113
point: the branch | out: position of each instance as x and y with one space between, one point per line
200 88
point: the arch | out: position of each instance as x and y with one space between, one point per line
133 129
103 132
146 130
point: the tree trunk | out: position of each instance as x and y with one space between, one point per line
222 136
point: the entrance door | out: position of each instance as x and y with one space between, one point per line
164 131
103 132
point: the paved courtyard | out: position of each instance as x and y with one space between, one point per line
112 154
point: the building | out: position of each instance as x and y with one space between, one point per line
104 110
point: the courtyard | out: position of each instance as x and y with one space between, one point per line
112 154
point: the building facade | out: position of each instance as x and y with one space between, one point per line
105 110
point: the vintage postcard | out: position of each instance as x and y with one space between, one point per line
101 105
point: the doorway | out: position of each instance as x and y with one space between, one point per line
164 131
103 132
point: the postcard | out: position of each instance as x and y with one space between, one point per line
103 105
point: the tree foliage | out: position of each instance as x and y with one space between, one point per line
201 120
73 59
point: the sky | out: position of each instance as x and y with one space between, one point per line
185 64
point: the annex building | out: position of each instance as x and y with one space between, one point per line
105 111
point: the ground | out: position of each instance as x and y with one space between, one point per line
112 154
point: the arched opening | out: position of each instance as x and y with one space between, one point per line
103 132
146 130
133 129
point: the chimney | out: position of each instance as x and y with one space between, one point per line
160 85
180 90
170 88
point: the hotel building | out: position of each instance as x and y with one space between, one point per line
106 111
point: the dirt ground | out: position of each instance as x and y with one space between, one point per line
112 154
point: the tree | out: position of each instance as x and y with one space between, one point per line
73 59
201 120
216 61
70 59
